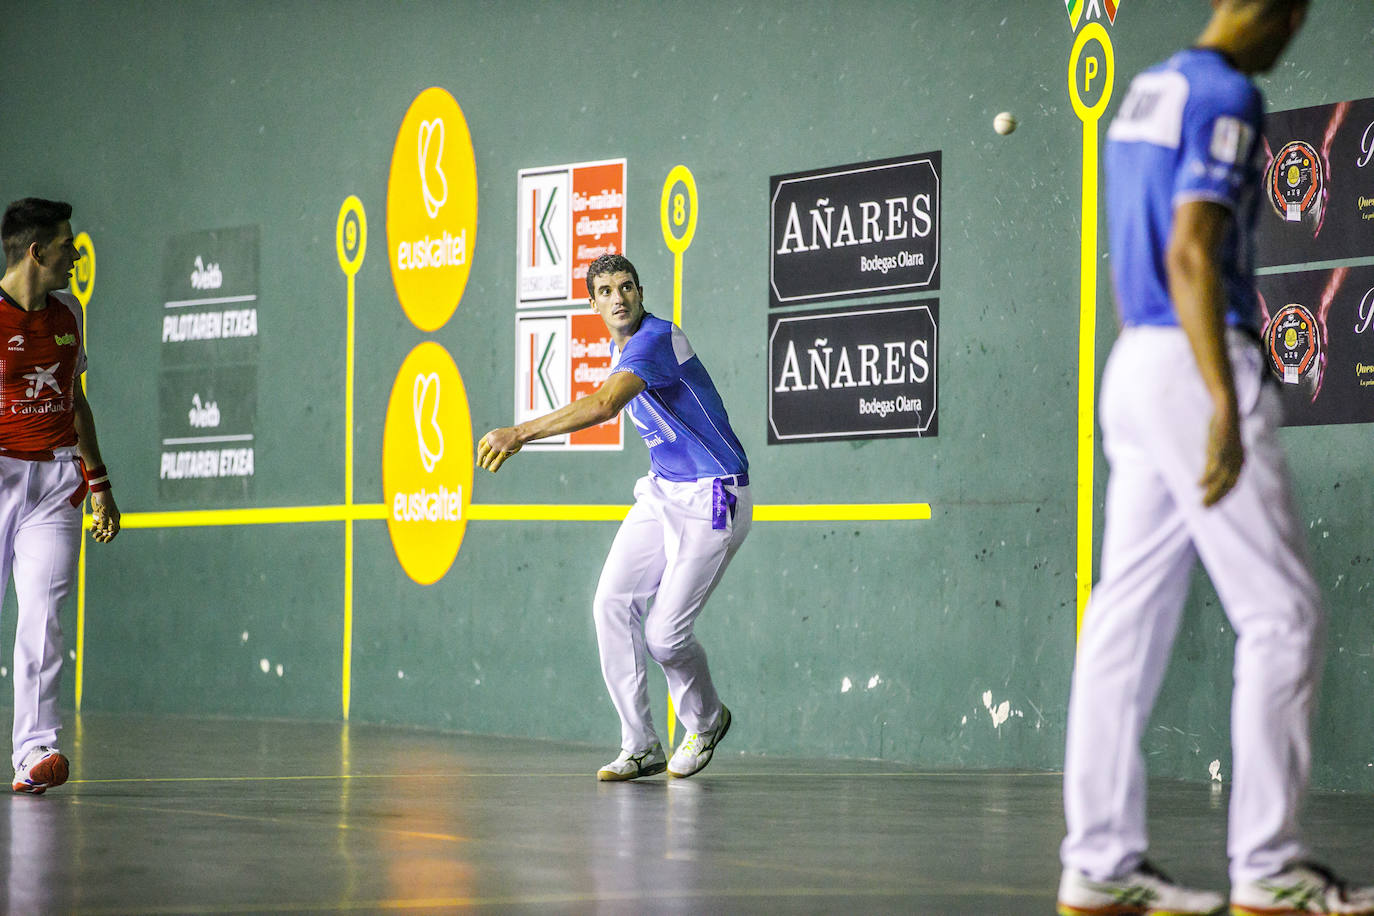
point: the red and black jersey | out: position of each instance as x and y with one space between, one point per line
42 356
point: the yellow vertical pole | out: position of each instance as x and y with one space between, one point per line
677 209
83 283
351 243
1096 67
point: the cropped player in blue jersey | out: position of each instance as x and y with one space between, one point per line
691 513
1197 471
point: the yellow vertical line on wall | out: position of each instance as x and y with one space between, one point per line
677 290
346 688
351 244
1087 367
83 284
80 613
1087 291
677 210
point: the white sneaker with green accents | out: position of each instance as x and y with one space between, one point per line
696 749
1302 887
634 764
1145 891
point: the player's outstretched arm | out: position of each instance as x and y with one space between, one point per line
601 405
1193 261
104 511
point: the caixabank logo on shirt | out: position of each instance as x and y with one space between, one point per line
856 373
870 227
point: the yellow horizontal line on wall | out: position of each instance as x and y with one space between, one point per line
843 512
491 512
277 515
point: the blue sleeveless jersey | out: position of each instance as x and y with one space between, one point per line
679 413
1187 130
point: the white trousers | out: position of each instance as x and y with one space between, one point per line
40 537
1155 415
664 563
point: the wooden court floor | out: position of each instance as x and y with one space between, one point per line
182 815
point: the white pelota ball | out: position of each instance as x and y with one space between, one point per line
1004 123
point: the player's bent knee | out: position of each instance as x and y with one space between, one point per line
666 647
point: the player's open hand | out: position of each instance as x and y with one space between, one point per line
104 517
496 446
1225 457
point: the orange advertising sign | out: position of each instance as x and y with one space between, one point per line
560 356
598 204
567 216
590 354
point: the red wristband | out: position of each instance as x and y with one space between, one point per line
97 478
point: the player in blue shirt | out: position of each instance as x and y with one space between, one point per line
1197 471
691 513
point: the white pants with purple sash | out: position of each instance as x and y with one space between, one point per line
666 560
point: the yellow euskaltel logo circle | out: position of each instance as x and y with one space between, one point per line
427 463
431 209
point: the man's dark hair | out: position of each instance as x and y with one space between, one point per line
1272 7
609 264
30 220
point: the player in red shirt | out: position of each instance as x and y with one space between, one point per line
49 458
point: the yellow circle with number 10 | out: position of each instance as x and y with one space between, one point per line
83 275
427 463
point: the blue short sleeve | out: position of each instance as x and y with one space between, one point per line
650 356
1221 125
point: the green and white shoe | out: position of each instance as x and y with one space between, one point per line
1301 888
634 764
1145 891
696 749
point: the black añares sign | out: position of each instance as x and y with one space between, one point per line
871 227
856 373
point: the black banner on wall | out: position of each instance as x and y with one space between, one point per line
871 227
1319 341
855 373
208 383
1317 197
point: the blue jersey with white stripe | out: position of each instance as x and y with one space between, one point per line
679 413
1187 130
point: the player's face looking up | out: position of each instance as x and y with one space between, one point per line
619 301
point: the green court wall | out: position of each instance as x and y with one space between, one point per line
899 640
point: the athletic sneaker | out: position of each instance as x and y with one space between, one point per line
696 749
1145 891
634 765
41 769
1300 888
